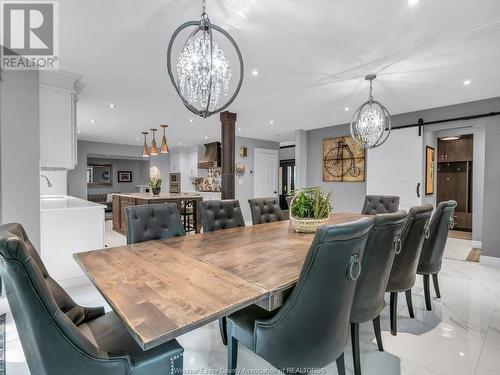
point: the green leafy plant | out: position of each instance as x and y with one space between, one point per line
311 203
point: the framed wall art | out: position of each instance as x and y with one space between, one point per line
343 160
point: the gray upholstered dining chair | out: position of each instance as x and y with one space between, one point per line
60 337
265 210
311 329
383 242
153 222
431 257
218 215
380 204
404 268
221 214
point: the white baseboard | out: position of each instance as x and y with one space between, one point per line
477 244
489 261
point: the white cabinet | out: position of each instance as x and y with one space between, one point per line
58 133
184 162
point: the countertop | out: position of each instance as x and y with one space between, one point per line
150 196
64 202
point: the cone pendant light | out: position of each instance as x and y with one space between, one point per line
164 145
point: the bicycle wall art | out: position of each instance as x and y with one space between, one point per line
343 160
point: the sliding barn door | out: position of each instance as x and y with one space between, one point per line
395 168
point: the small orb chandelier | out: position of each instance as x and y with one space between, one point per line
203 70
371 122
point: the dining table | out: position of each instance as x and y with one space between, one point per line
162 289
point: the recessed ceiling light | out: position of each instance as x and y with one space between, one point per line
92 121
467 82
206 137
239 129
190 120
413 2
255 72
111 105
137 139
346 109
462 354
271 122
180 143
79 132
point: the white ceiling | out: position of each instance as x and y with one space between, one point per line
312 57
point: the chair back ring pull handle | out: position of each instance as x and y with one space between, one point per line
451 223
354 269
397 243
427 231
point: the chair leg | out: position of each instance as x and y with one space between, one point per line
378 335
394 313
436 285
223 329
232 355
409 303
427 293
355 348
341 365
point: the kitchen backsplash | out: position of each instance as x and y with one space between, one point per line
210 183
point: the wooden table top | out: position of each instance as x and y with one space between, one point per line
163 289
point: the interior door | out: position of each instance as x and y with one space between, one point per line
396 168
266 165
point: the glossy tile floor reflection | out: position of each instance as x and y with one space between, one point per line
460 336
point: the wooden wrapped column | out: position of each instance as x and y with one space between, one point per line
228 125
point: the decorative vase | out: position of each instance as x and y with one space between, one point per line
156 190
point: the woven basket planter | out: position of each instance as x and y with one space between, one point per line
306 225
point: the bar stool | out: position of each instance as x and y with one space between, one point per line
189 219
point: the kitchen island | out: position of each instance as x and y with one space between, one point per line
123 200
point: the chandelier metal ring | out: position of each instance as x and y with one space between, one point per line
371 121
381 139
199 27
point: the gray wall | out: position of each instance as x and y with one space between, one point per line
245 190
139 169
77 178
491 211
20 151
347 196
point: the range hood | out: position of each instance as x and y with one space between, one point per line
212 157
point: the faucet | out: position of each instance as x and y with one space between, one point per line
49 184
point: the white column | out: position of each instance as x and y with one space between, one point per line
301 158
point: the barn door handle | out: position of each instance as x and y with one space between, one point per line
418 190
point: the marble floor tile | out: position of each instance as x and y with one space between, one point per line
489 362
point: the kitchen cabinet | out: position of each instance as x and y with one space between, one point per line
456 150
58 126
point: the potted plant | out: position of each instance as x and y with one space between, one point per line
155 180
309 209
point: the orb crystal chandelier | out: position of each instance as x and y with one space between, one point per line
371 122
203 70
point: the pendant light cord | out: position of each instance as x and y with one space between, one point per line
370 98
203 6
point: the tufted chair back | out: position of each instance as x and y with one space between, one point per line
265 210
379 254
46 317
153 222
223 214
380 204
433 248
404 268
